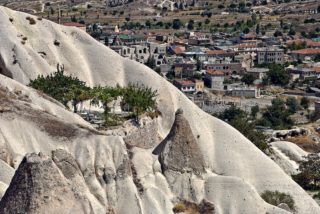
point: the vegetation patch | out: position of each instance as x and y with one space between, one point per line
205 207
275 198
135 99
56 43
31 20
306 143
309 176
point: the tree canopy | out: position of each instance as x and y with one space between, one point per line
62 87
277 115
138 98
309 176
277 75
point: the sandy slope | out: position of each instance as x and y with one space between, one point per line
237 171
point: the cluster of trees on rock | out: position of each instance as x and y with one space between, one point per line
276 198
277 116
67 89
309 176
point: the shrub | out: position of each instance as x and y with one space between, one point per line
62 87
31 20
56 43
140 99
11 19
309 176
305 102
277 116
179 208
25 38
275 198
39 18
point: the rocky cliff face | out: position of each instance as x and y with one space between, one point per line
181 152
202 158
38 186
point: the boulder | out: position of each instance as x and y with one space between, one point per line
180 151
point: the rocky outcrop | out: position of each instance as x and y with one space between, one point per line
180 151
38 186
149 130
285 134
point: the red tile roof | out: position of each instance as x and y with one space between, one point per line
178 50
73 24
316 69
308 42
246 45
219 52
249 36
214 72
307 51
185 82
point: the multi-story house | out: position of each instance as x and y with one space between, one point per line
270 56
214 80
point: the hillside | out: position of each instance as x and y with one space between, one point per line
111 176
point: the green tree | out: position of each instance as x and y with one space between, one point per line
246 30
232 113
248 79
293 105
309 176
176 24
139 99
258 29
254 111
275 198
291 32
277 33
317 58
62 87
151 62
305 102
278 75
190 25
276 116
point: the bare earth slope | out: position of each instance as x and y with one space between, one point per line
112 177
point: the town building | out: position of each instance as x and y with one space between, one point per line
258 73
239 90
227 67
305 53
214 79
301 73
76 24
270 56
186 86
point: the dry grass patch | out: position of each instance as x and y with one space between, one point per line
187 207
306 143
